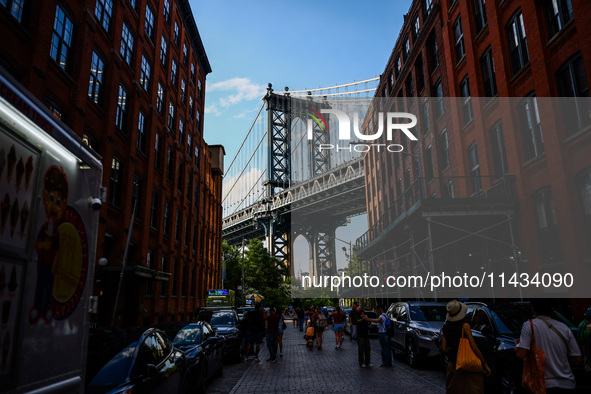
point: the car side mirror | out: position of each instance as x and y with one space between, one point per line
151 370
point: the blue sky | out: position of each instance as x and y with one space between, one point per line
302 44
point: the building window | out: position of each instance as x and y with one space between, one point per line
488 74
438 99
104 13
531 130
196 155
127 44
121 114
154 210
158 152
479 15
177 227
443 150
189 143
136 195
141 132
406 48
572 82
176 33
189 186
420 74
95 88
181 131
397 66
432 52
183 91
410 92
169 167
171 116
517 42
149 24
559 12
160 99
61 39
198 120
416 28
583 185
195 203
133 4
145 73
174 279
90 141
180 177
427 6
459 40
167 218
163 285
467 114
191 106
167 10
474 165
199 89
15 8
115 183
548 236
428 163
185 53
173 73
499 153
54 108
163 50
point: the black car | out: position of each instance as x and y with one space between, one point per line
225 323
417 327
203 348
148 364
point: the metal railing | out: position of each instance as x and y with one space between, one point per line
452 189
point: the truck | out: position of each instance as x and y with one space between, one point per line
220 297
50 197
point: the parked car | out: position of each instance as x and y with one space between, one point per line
150 363
224 321
373 327
417 327
204 349
243 311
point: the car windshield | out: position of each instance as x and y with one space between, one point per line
371 315
509 321
189 335
428 312
218 318
116 370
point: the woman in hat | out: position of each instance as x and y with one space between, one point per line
460 381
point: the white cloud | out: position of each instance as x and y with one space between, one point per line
235 189
242 89
213 110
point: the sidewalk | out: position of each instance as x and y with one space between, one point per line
330 370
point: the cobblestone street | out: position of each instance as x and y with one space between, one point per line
328 370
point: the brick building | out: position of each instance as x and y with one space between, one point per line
129 78
481 149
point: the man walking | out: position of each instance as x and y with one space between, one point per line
353 319
272 332
557 342
300 312
254 331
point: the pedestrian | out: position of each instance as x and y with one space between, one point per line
384 340
353 319
557 342
320 322
254 331
282 326
584 337
363 344
338 318
454 328
272 332
300 313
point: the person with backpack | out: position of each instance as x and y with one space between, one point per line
383 335
338 318
320 322
557 342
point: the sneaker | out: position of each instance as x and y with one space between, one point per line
245 360
385 366
362 365
281 354
256 360
336 347
370 365
274 360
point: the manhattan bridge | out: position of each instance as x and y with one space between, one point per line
280 186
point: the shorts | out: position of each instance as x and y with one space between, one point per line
254 337
338 327
318 329
280 329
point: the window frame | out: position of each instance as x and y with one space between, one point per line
57 49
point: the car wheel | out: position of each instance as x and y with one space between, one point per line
202 381
411 355
509 382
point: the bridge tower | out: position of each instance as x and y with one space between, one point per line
282 109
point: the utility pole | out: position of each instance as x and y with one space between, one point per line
242 264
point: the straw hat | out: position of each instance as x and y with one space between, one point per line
456 310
